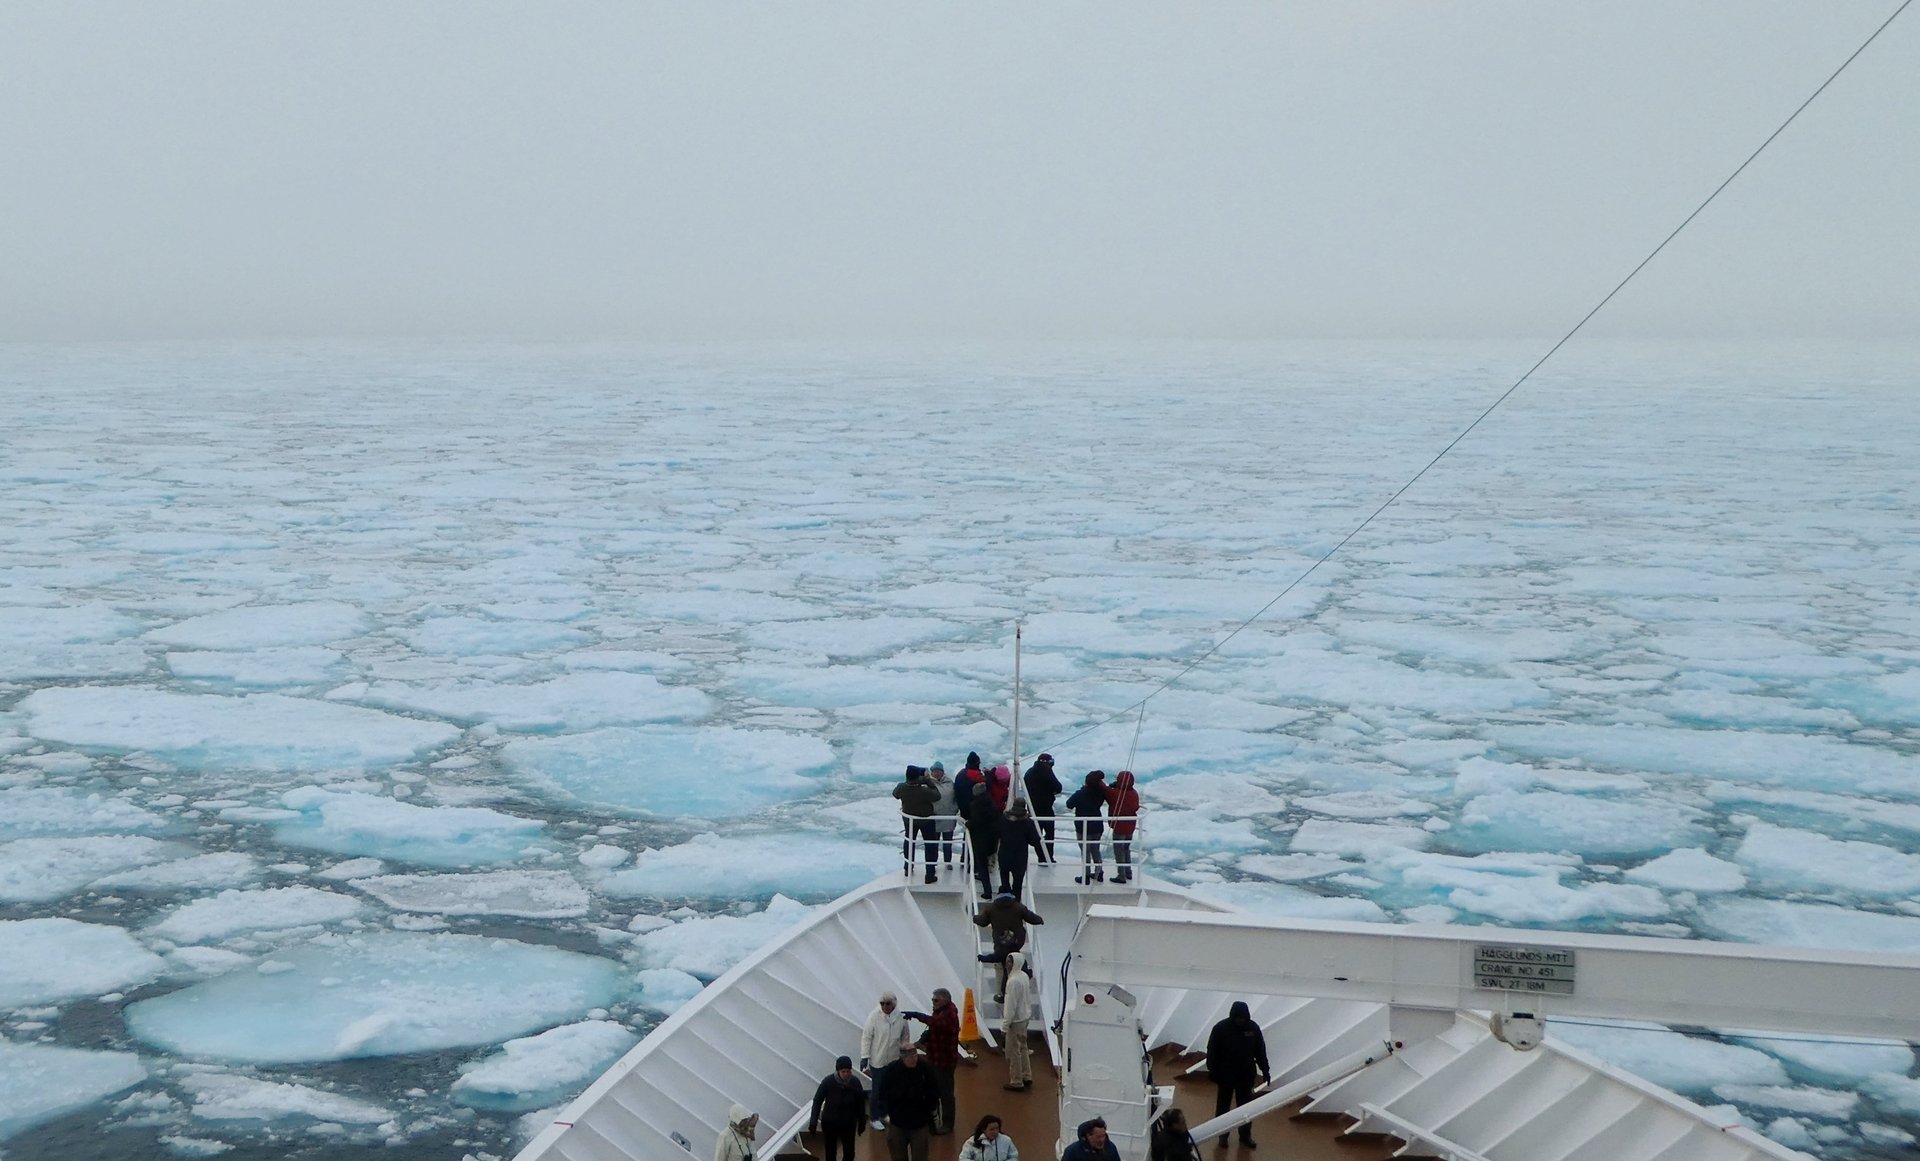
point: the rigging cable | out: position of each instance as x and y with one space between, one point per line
1141 705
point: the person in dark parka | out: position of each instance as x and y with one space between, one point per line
839 1109
1018 834
1092 1143
1087 804
1043 787
1009 918
918 797
1235 1050
912 1097
983 830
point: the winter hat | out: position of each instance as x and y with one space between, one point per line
1007 895
889 998
1047 758
1096 776
939 767
973 760
843 1062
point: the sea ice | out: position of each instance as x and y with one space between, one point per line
1516 888
377 994
1549 821
437 836
521 893
264 668
227 1097
1690 869
479 636
1834 1060
846 685
1294 902
232 912
707 947
1342 679
1687 1064
265 627
713 772
220 869
750 866
39 1082
1766 759
538 1070
56 959
574 701
1325 836
1810 925
38 869
1804 860
1823 1103
665 990
37 811
1226 795
266 731
852 636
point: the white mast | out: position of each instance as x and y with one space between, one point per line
1017 788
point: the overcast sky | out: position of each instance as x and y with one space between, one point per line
951 171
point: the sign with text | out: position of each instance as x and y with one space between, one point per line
1543 970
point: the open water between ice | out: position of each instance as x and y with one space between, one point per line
389 736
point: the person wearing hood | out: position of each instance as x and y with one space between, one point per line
1043 787
1092 1144
1235 1049
988 1143
1000 782
1018 834
965 783
1009 918
839 1110
945 812
918 796
1086 804
880 1046
1016 1009
736 1140
1123 811
983 831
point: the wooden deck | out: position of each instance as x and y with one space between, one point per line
1032 1117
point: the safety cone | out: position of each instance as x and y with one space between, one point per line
969 1019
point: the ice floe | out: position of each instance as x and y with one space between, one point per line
228 1097
40 869
748 866
440 836
56 959
265 626
377 994
233 912
521 893
707 947
537 1070
714 772
264 731
574 701
39 1082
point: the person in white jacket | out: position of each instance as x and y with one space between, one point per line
988 1143
1017 1007
880 1046
736 1140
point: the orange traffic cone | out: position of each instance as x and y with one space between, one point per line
969 1019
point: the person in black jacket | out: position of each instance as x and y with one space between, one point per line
839 1109
1043 786
1234 1050
1171 1140
912 1096
983 829
918 796
1017 835
1087 804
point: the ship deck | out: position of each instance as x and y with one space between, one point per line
1031 1118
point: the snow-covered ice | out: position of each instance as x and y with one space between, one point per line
535 1070
56 959
374 995
41 1081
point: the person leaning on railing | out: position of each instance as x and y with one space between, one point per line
1123 811
1087 803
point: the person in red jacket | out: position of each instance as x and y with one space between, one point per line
1123 808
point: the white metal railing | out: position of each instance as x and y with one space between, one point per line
924 836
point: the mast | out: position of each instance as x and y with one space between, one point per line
1018 788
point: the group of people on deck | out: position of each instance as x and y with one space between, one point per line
1002 829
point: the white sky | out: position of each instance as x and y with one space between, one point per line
951 171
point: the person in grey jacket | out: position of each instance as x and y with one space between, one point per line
918 797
